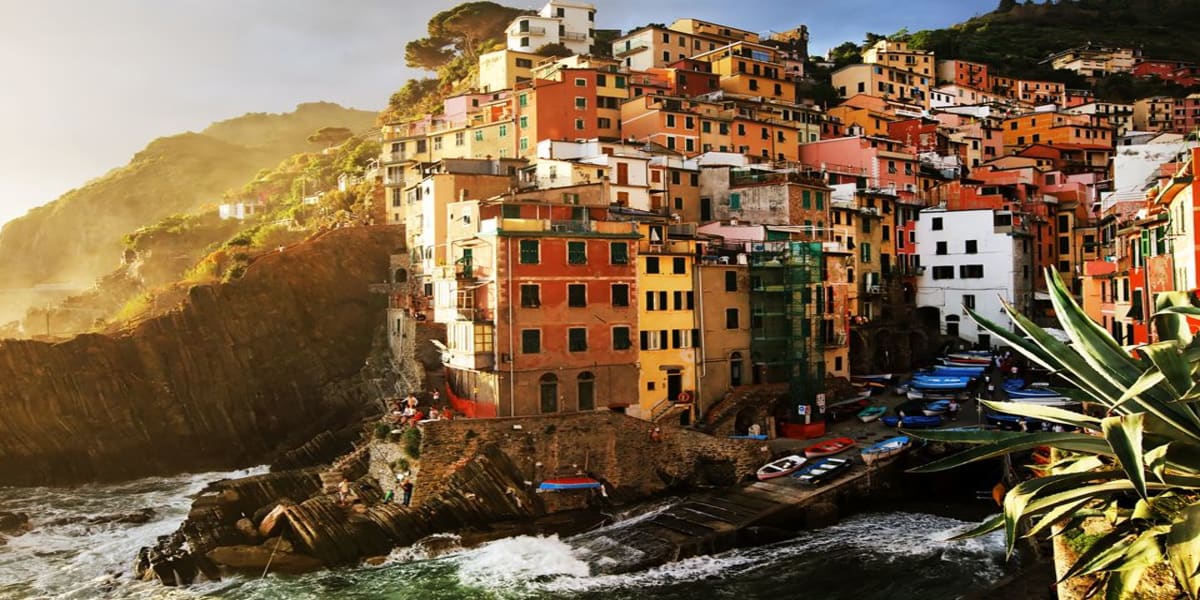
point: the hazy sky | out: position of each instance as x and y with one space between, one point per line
87 83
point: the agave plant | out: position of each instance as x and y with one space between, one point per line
1136 459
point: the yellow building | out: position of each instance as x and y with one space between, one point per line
897 55
883 81
749 69
504 69
667 320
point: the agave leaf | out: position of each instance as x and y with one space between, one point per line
989 525
1057 514
1075 442
1124 435
1102 553
1170 318
1156 460
1167 358
1183 549
1149 380
1141 554
1092 342
1044 413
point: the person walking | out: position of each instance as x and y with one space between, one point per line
953 409
407 488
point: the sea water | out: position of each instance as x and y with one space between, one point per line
876 555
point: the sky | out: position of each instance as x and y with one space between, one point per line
84 84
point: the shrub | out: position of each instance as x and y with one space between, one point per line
412 442
400 465
382 430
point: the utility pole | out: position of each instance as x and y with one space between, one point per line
47 320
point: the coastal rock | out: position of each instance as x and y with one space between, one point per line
232 376
13 522
821 514
137 517
277 553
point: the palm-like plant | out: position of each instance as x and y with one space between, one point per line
1137 463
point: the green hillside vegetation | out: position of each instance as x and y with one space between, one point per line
1014 38
78 237
188 249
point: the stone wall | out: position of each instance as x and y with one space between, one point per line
612 447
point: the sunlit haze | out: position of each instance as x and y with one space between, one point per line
87 84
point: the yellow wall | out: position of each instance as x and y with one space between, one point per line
499 70
655 362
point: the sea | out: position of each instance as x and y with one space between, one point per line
76 549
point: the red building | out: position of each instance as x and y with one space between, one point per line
542 309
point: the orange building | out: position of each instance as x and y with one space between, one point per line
579 104
662 120
1055 128
749 69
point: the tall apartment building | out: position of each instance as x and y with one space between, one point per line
571 24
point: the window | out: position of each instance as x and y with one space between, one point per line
524 63
580 82
577 339
459 139
971 271
670 120
652 264
969 301
620 294
580 125
523 100
865 249
577 295
731 318
936 225
1064 244
577 253
735 201
524 142
731 281
820 200
621 338
524 42
531 341
479 135
972 247
618 253
530 250
806 199
548 392
580 102
654 340
866 225
531 296
943 272
941 248
679 266
504 131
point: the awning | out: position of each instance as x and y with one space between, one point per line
1041 296
1135 310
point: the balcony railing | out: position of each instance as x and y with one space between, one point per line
573 36
632 49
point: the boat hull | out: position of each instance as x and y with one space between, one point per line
564 484
885 449
829 448
913 422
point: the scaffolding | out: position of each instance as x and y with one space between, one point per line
786 308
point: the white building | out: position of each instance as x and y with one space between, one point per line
972 259
626 168
237 210
1120 116
571 24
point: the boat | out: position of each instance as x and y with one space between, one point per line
822 470
880 377
761 436
953 371
936 407
871 413
946 362
1032 393
568 483
885 449
921 377
828 447
954 384
968 358
779 468
913 421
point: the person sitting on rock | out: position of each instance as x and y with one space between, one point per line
434 415
343 492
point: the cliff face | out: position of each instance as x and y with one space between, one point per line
230 377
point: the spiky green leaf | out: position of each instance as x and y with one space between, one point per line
1183 549
1124 435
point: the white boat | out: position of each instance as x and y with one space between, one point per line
780 468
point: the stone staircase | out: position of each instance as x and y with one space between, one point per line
739 397
352 466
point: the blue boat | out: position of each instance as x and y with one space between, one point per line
568 483
952 371
761 436
940 383
1033 393
936 407
913 421
821 470
885 449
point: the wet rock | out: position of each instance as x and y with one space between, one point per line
13 522
137 517
269 525
275 555
247 529
375 561
821 514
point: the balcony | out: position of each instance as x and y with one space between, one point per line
572 36
393 157
531 30
633 48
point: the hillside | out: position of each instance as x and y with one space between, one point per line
1016 36
78 237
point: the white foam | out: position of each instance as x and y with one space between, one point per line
514 562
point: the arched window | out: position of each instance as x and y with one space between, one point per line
735 369
549 393
401 276
586 384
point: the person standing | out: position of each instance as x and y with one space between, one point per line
407 488
953 409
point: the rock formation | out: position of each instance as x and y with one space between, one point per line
230 377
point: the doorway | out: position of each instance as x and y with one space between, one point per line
674 384
735 369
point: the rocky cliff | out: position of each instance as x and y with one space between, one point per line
236 373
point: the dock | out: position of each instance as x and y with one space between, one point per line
749 515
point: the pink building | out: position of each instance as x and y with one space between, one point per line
875 163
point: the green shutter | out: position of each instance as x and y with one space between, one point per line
806 199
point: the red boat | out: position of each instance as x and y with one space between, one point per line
828 447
